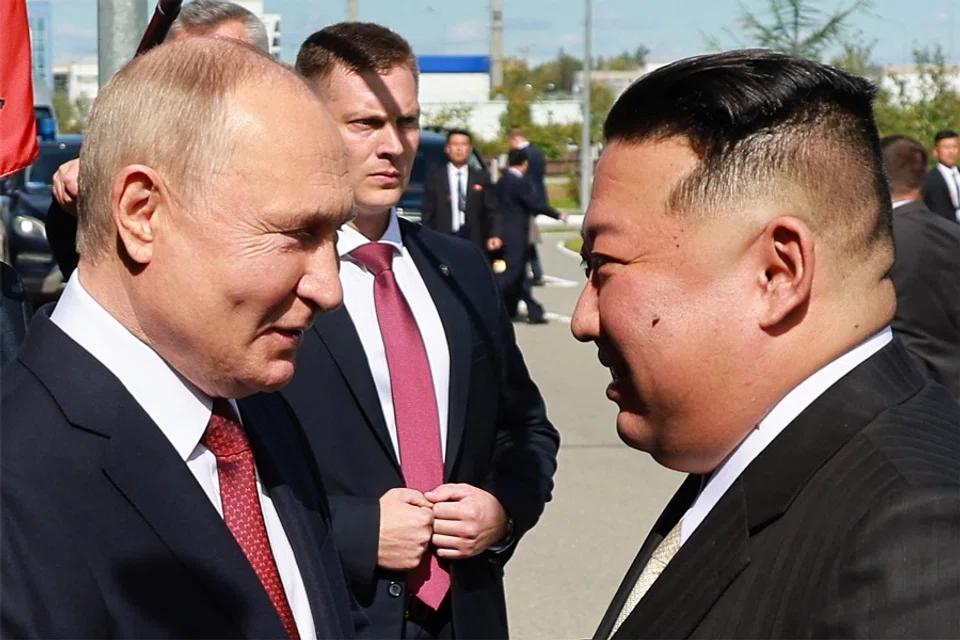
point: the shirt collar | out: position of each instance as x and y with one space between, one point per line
515 171
899 203
349 238
178 408
455 169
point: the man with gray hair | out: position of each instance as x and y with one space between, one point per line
206 18
149 488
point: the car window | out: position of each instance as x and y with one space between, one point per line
429 155
46 164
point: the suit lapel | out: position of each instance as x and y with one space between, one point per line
439 279
145 468
289 484
675 509
338 333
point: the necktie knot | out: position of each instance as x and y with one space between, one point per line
375 256
224 435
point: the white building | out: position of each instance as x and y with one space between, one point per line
77 79
915 83
270 20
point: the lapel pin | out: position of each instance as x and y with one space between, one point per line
444 269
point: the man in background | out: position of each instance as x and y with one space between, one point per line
737 245
926 272
459 199
536 176
941 191
149 488
518 206
211 18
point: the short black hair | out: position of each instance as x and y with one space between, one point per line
517 157
944 134
905 161
766 125
459 132
359 47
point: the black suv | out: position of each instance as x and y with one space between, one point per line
24 200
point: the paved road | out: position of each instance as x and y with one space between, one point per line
606 497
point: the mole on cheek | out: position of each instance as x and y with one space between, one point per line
656 319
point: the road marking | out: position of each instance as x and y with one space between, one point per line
549 315
562 248
555 282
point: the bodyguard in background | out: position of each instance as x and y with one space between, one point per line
461 200
941 191
536 175
926 272
518 206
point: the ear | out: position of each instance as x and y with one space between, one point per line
787 257
139 195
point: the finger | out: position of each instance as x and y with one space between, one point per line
410 496
454 528
452 554
447 492
452 543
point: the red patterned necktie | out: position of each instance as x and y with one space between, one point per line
241 503
414 403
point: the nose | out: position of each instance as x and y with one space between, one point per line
391 143
585 325
320 284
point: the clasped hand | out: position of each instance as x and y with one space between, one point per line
459 520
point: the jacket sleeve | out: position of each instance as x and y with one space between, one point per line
533 204
491 205
62 236
936 196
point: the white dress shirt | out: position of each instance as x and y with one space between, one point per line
180 411
454 175
952 177
357 284
776 420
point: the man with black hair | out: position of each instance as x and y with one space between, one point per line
518 205
926 272
737 246
459 199
941 191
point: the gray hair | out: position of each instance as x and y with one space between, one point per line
202 16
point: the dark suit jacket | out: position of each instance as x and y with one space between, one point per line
936 195
518 205
106 533
926 274
537 173
482 220
845 526
62 236
14 313
498 435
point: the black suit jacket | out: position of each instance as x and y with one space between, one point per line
846 525
106 533
926 274
518 205
14 313
482 220
498 435
936 195
537 173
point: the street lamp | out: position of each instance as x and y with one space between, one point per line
586 148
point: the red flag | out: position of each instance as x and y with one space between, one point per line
18 126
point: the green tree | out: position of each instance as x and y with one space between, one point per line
449 117
796 27
71 116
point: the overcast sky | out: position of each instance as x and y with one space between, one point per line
537 29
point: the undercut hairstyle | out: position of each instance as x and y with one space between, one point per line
168 109
516 157
944 134
202 17
459 132
770 128
359 47
905 162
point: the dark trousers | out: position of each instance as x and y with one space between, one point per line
534 258
423 623
515 286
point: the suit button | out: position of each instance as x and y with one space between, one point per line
395 589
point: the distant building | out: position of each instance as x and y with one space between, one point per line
270 20
914 81
616 81
77 79
40 19
456 89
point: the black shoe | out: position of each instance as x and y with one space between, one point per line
537 320
537 282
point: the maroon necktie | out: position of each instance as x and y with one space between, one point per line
414 403
241 503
